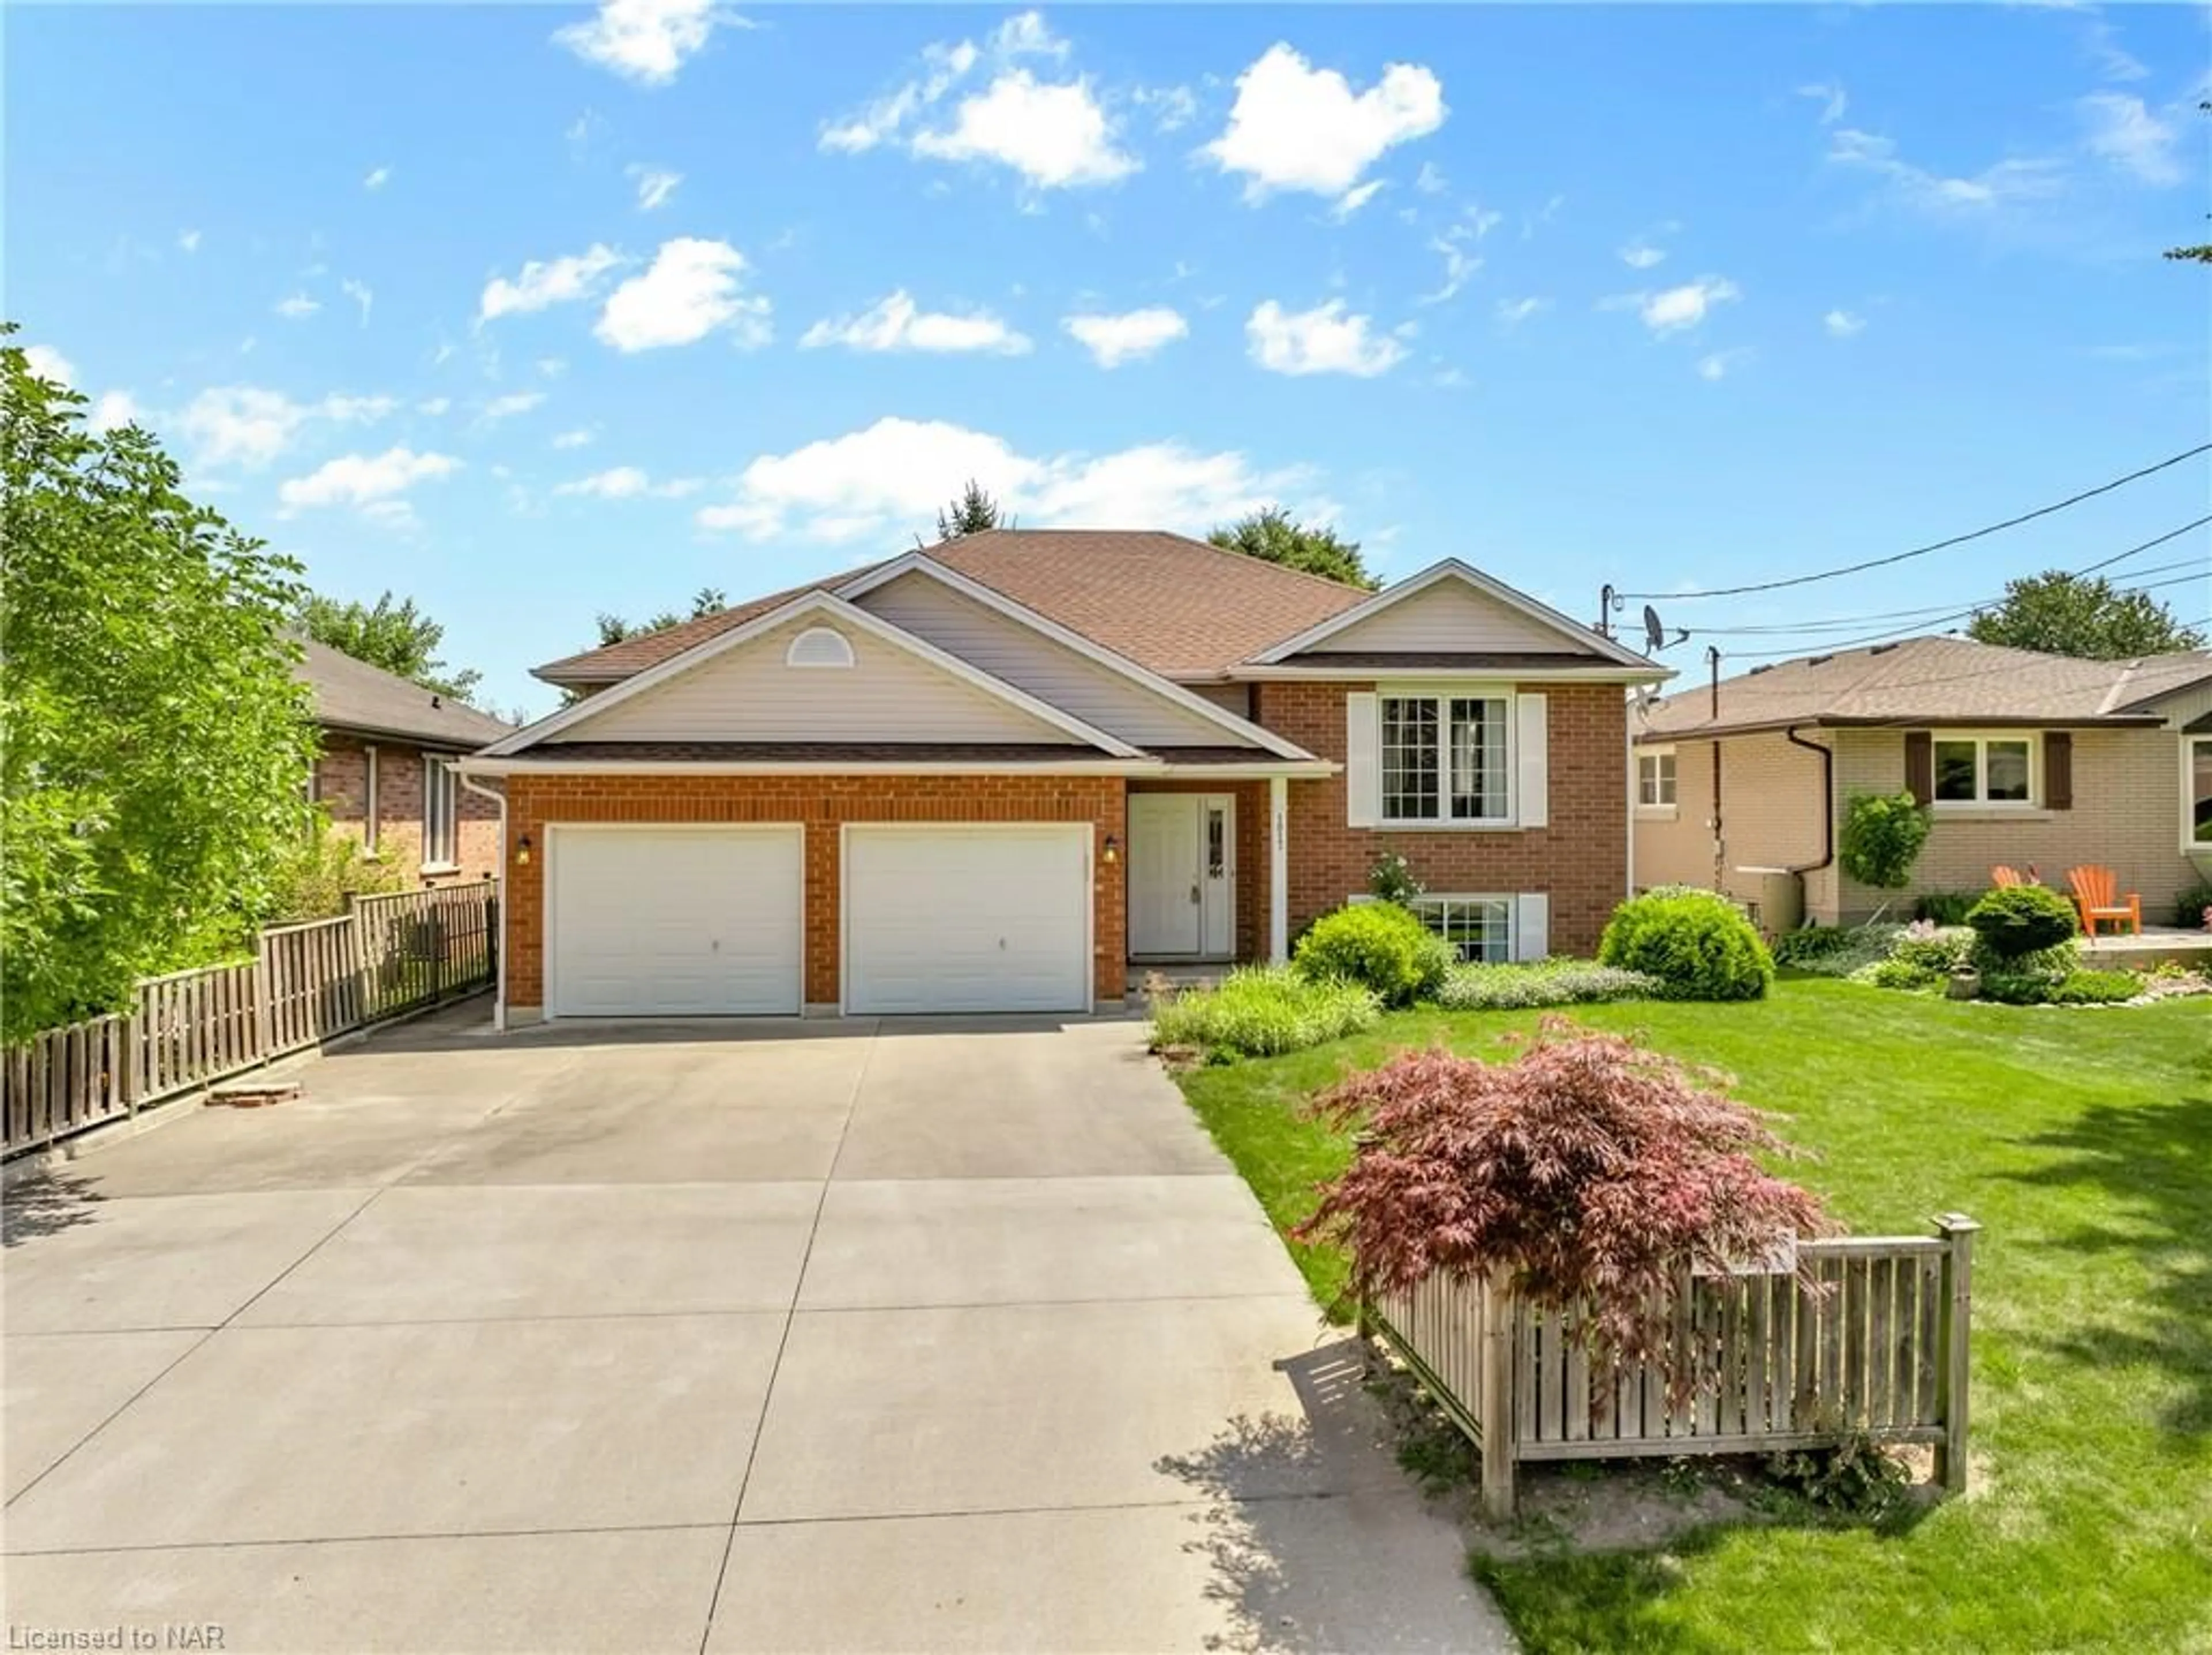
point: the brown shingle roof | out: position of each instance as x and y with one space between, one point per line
1167 602
1926 681
351 695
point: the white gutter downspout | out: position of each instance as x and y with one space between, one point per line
499 992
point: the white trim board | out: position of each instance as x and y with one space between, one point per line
821 602
1167 689
1594 643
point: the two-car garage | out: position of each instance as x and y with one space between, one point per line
713 918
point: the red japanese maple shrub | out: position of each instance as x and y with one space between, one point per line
1590 1171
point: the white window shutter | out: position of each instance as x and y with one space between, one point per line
1532 780
1362 759
1532 925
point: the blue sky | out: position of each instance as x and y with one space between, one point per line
530 313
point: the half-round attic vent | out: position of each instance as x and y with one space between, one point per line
818 646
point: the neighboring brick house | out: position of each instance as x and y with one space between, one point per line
2026 759
384 775
999 773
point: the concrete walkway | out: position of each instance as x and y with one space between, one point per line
923 1335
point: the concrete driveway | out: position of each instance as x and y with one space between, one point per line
917 1335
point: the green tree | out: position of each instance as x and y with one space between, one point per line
1274 537
396 636
974 512
2064 614
613 629
2202 252
152 738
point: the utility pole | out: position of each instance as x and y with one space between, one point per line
1720 834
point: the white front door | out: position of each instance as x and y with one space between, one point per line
1182 875
673 920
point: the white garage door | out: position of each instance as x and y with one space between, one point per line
674 922
967 919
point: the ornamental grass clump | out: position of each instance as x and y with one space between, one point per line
1260 1011
1590 1171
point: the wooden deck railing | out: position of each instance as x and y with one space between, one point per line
1874 1342
384 956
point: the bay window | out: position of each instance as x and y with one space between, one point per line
1445 759
1976 770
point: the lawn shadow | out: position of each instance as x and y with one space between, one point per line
47 1203
2149 1163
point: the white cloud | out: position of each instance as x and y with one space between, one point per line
646 41
1323 340
552 366
113 409
2125 134
377 178
547 281
1295 127
1514 311
655 185
1352 200
1129 337
888 478
1675 308
1056 136
1722 363
47 363
515 402
1177 106
1430 181
2015 180
249 426
895 324
365 479
297 306
576 439
629 482
360 294
188 240
944 67
1460 264
1842 324
691 288
1830 95
1640 254
433 407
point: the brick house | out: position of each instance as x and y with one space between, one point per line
385 775
1001 773
2026 759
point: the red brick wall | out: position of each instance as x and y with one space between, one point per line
1251 855
822 804
1580 860
342 789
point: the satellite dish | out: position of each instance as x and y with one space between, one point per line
1655 636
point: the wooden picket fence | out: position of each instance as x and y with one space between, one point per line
1869 1336
384 957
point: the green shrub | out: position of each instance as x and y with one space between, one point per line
1842 950
1933 948
1899 973
1698 945
2028 979
1813 942
2021 919
1553 983
2097 989
1260 1010
2192 910
1379 946
326 867
1881 839
1945 907
1391 880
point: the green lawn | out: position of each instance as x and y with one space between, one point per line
2082 1140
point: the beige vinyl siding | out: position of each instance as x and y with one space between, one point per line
1449 615
748 694
1770 795
1006 649
2126 817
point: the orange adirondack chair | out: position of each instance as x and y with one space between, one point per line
2096 894
2005 878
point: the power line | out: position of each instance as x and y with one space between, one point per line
1922 551
1832 624
1842 644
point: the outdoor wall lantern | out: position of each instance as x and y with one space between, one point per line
522 851
1113 850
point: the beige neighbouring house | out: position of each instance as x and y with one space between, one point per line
2026 759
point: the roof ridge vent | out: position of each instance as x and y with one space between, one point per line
1817 660
1764 667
